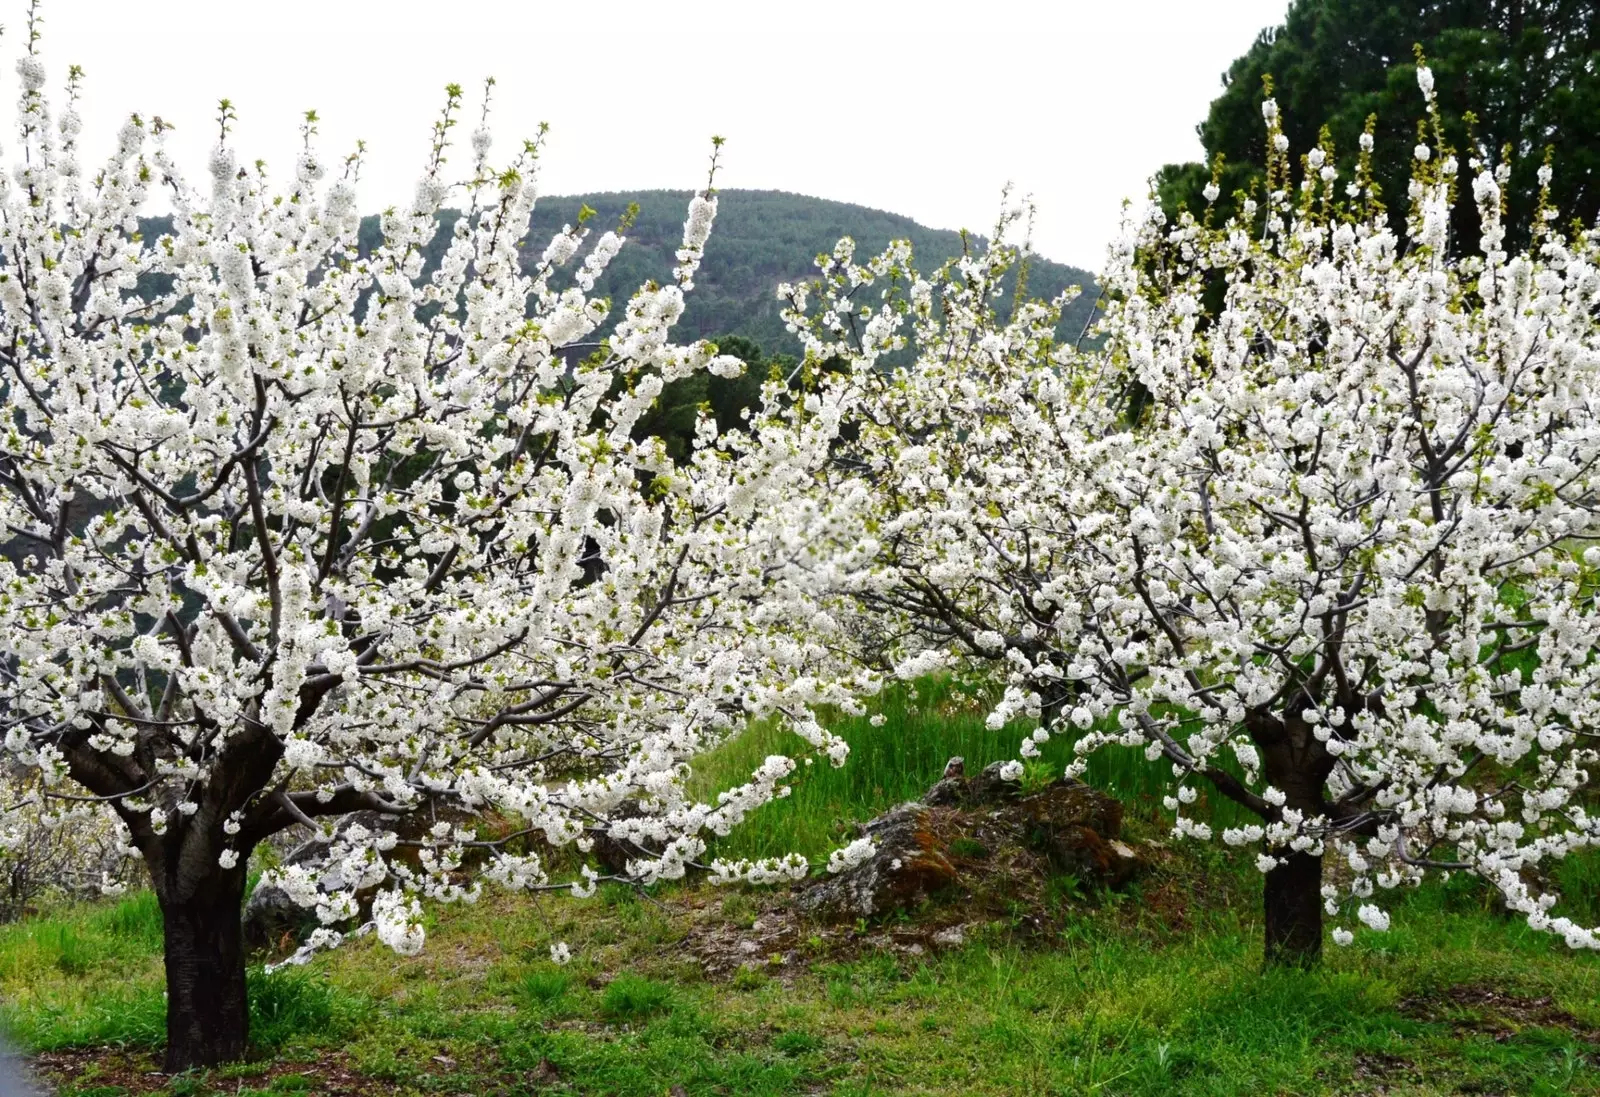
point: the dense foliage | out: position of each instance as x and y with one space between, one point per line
1528 71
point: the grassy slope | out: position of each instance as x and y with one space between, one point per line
1155 992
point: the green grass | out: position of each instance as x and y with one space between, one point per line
1155 992
926 725
632 997
1120 1003
91 975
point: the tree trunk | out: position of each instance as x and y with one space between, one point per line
1293 895
208 1016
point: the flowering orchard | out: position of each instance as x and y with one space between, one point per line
308 531
1314 527
294 530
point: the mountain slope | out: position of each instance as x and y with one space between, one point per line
762 238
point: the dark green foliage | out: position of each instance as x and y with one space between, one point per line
729 399
1528 69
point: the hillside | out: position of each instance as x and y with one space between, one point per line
762 238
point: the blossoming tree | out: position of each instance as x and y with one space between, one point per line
1332 564
296 531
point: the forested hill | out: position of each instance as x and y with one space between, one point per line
762 238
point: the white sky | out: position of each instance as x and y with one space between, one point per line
922 108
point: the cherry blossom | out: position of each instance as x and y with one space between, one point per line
296 530
1312 526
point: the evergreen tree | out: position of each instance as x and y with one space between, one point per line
1527 71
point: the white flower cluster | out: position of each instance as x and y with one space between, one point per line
1332 530
304 528
857 852
767 870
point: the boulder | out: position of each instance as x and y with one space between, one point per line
988 787
272 920
978 831
910 863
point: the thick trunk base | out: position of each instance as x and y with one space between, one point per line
1293 895
208 1013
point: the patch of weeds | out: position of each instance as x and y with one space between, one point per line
969 848
631 997
1037 775
796 1042
387 1056
750 978
543 988
1064 889
616 895
290 1003
740 909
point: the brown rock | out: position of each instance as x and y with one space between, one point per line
910 864
967 829
989 788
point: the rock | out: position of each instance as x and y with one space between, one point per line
1068 803
910 864
954 937
272 919
951 790
983 833
1078 829
989 788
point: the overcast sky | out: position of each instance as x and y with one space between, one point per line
921 108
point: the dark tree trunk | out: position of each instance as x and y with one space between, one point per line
1293 895
208 1016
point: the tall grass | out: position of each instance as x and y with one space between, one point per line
91 974
927 723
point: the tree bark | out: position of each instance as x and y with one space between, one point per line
208 1014
1293 907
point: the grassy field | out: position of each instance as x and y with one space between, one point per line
1155 991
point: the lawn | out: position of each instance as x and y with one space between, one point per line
1155 991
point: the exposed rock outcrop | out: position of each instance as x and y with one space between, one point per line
976 833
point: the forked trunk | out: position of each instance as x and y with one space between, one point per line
1293 895
208 1014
